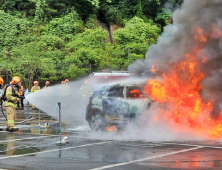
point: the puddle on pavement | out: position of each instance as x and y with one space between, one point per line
10 150
203 158
187 164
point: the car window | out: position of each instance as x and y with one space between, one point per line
116 91
133 93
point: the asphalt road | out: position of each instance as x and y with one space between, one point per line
34 147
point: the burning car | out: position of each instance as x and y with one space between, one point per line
116 105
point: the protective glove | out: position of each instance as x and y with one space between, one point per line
18 100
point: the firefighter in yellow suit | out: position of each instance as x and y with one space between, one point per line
35 88
47 83
12 95
85 92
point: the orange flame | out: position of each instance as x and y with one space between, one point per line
154 69
112 128
135 92
180 89
200 37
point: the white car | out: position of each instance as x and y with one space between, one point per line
116 105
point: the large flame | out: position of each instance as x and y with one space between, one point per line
179 92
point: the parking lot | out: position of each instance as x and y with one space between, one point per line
34 147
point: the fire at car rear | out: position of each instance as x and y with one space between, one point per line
112 107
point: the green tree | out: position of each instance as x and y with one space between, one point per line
66 26
10 29
31 64
137 31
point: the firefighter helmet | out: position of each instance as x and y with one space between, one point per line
66 80
16 80
47 83
36 82
1 81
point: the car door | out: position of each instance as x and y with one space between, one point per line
115 103
137 100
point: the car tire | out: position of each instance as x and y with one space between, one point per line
96 121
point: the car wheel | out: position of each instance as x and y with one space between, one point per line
96 121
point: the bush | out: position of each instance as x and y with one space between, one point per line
137 31
68 25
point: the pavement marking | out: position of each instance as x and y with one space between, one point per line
147 158
80 146
24 139
183 144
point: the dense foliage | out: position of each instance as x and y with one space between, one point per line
57 39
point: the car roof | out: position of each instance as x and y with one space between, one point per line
127 85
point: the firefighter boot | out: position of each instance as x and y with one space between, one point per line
14 129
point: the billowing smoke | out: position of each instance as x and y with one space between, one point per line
196 29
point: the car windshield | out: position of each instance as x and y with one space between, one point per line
100 91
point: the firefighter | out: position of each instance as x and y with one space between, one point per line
64 90
12 94
66 81
47 83
85 91
35 88
48 91
21 94
1 83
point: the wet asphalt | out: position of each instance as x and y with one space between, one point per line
35 147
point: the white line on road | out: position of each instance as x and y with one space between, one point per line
74 147
24 139
183 144
145 159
